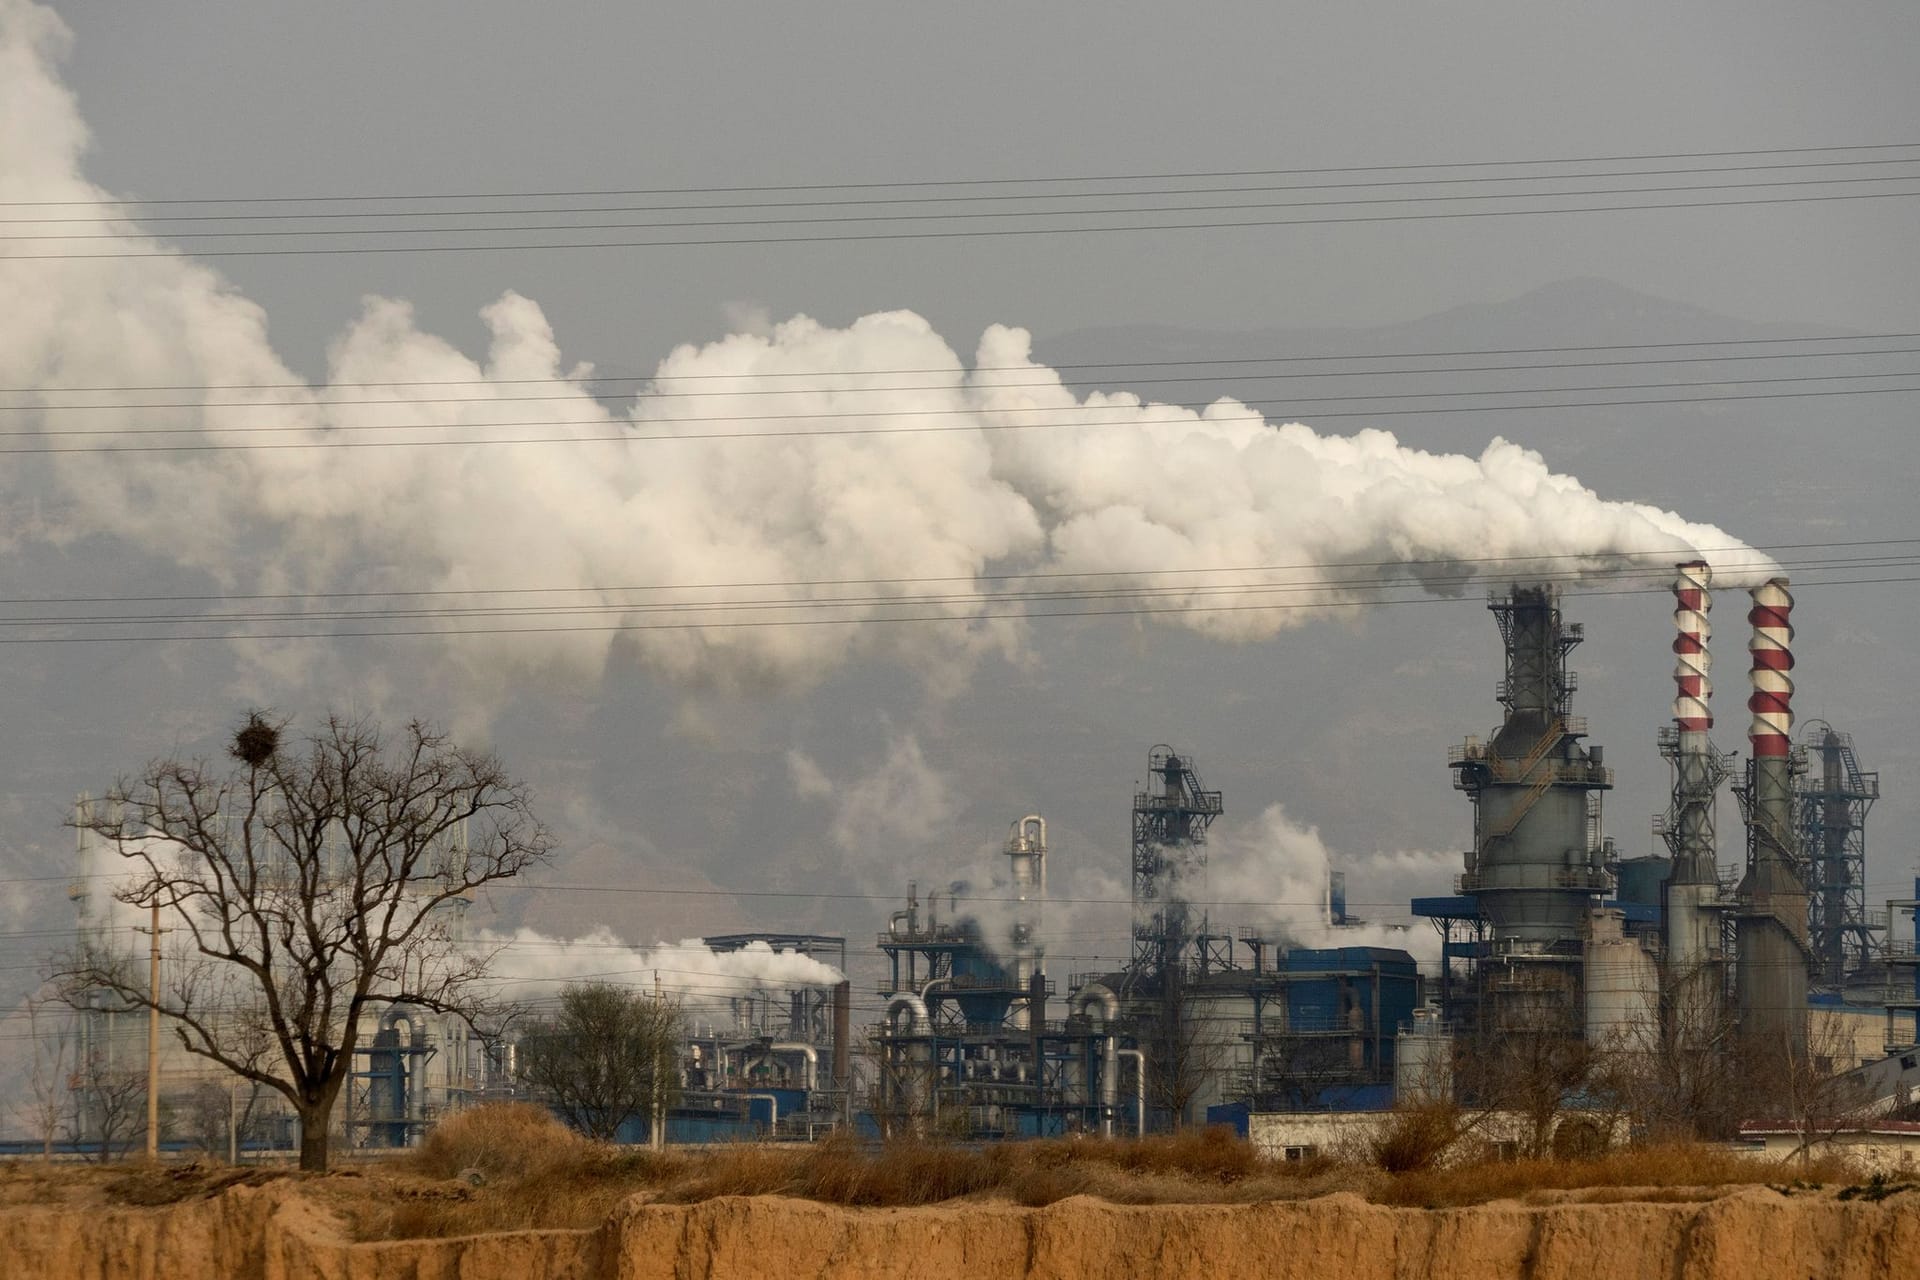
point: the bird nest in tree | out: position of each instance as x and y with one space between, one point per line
255 742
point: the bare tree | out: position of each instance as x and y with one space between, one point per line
1297 1068
1533 1074
1182 1055
1812 1092
110 1106
50 1076
303 887
610 1055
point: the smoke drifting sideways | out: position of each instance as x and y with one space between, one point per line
792 454
530 968
524 966
1274 873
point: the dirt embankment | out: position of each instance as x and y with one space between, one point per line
276 1232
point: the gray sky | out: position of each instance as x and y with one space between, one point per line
654 781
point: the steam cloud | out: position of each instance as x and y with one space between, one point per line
530 965
1000 488
1278 868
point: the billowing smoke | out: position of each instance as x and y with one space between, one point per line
1274 874
530 967
876 455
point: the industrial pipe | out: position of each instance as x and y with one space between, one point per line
811 1054
1139 1089
773 1104
922 1024
1109 1002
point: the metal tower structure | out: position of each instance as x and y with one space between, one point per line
1539 859
1834 795
1170 821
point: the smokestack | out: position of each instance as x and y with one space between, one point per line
1695 978
1694 687
842 1035
1771 731
1771 981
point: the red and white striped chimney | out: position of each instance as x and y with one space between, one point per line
1694 689
1771 702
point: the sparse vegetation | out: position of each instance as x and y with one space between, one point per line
513 1166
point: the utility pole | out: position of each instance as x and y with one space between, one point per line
657 1122
153 1038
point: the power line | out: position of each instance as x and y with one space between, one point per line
844 415
1008 368
763 624
962 234
963 215
1629 557
1189 419
986 181
1333 586
841 202
829 389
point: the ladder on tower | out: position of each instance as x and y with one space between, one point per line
1544 776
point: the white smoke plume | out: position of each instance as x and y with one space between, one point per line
530 966
954 473
1274 874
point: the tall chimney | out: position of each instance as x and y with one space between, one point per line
1694 973
1771 980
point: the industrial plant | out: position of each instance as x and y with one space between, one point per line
1750 956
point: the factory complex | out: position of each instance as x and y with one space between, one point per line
1698 992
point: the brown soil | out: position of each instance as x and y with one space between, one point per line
280 1227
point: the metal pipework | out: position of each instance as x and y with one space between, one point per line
1099 993
1139 1087
922 1024
1771 981
1027 868
807 1051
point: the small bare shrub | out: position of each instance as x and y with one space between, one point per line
1416 1138
502 1140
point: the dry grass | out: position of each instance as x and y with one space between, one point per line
501 1140
535 1173
1666 1172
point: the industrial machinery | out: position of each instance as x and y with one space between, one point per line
1834 795
1170 821
1539 861
964 1047
767 1061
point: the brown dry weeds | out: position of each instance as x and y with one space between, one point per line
513 1167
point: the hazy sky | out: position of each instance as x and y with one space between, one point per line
274 99
848 765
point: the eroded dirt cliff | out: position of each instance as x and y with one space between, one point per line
280 1232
